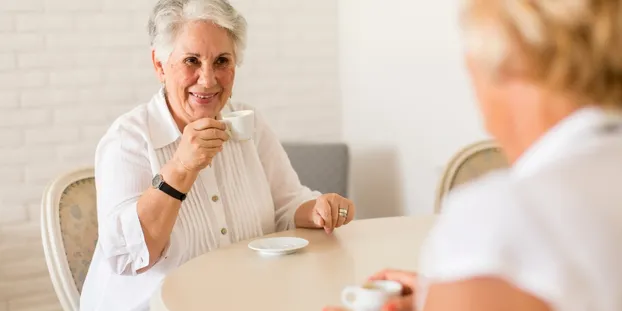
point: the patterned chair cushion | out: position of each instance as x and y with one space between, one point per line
78 222
478 164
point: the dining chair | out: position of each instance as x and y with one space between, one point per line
321 166
468 164
69 232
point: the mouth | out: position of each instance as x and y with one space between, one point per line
204 98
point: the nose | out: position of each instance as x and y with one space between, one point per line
207 76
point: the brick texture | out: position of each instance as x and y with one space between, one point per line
68 68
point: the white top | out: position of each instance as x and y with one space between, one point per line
551 225
249 190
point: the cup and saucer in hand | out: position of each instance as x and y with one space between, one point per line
371 296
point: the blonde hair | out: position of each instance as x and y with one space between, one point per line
572 46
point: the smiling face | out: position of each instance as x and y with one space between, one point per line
199 73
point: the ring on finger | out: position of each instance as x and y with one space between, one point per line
343 212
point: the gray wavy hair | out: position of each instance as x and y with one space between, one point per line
169 16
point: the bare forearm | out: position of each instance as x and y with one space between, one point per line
304 215
157 211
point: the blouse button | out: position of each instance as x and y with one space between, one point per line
223 231
214 198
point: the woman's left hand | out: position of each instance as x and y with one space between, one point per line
332 211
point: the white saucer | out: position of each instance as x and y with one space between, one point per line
278 246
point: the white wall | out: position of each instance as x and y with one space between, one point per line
69 67
407 106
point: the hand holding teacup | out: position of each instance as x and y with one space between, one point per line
201 141
387 290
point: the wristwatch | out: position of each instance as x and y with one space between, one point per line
158 183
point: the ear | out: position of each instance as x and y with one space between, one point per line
158 66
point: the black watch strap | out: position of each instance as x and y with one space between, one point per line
159 183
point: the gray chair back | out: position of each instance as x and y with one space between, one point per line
321 166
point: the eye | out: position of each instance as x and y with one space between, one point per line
191 60
222 61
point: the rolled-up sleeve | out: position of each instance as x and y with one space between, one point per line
287 191
122 174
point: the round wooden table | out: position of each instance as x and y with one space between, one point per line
238 278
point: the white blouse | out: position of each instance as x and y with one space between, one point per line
249 190
551 225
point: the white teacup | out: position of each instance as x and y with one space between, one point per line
240 124
371 296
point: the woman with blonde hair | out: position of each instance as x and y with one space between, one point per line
543 235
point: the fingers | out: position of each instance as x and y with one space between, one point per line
209 153
206 130
207 123
212 134
406 278
202 140
351 211
328 206
209 142
337 203
318 220
206 133
333 202
322 207
343 204
403 303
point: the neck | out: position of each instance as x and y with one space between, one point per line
530 123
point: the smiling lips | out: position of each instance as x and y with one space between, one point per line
204 98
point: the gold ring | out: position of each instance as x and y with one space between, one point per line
343 212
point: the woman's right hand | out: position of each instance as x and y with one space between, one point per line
405 302
201 141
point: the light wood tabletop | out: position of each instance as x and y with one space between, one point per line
238 278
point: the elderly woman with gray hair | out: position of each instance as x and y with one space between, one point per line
543 235
173 182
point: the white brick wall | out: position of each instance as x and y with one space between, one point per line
68 68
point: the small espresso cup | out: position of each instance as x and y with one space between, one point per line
240 124
370 297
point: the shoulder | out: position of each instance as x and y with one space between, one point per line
128 131
474 210
534 231
497 216
508 204
489 228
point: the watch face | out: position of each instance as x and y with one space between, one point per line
156 181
